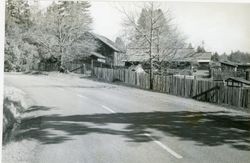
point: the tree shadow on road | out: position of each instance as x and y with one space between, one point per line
37 108
204 128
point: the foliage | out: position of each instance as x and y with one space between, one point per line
235 56
120 44
239 57
215 57
18 21
223 57
200 49
190 46
56 35
65 24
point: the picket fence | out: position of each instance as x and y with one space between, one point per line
202 90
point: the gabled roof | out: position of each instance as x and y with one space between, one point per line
98 55
106 41
203 56
229 63
240 80
189 55
243 64
182 55
136 55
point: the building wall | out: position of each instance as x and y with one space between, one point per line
107 52
203 66
118 57
227 68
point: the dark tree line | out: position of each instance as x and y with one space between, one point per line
238 56
234 56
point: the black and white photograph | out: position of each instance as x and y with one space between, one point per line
125 81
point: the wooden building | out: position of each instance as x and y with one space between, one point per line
237 82
228 66
227 69
203 59
200 61
185 58
107 51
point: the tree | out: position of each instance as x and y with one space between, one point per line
200 49
190 46
18 22
59 33
153 35
120 43
238 56
215 57
223 57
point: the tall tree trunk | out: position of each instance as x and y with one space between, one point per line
151 75
150 49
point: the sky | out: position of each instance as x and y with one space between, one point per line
222 27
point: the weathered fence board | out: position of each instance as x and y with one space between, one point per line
180 86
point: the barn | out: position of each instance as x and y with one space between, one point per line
107 52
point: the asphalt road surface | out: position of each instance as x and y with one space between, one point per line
76 120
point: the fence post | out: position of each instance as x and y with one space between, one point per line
194 86
248 98
92 66
84 68
184 86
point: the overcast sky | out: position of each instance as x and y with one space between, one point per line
222 26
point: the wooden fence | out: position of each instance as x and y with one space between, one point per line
47 67
202 90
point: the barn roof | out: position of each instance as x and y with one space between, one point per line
181 55
229 63
106 41
136 55
235 64
203 56
98 55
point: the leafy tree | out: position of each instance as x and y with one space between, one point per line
120 43
190 46
215 57
223 57
153 36
54 36
18 22
59 33
239 56
200 49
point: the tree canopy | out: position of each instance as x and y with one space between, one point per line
153 35
56 35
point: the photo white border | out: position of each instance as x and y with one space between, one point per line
2 26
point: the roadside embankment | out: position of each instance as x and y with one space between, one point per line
14 104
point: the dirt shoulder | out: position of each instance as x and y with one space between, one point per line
16 103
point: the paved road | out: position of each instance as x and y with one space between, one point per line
78 120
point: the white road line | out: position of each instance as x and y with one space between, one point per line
62 89
108 109
155 141
81 96
165 147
